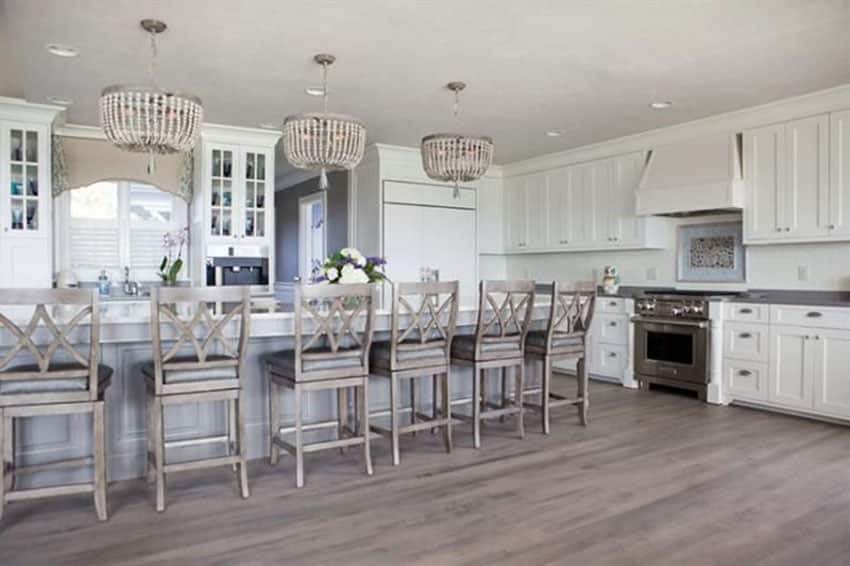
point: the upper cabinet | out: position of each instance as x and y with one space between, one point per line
586 206
25 195
787 174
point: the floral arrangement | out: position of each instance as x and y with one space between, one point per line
348 265
172 263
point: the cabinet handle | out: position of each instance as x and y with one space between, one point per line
779 228
745 335
746 311
814 314
612 304
745 372
612 355
612 323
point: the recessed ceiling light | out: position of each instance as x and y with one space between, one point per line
315 91
660 104
270 126
60 100
555 133
62 50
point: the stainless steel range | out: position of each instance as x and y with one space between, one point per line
672 339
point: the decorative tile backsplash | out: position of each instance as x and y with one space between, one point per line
717 252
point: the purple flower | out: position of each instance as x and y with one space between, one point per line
376 260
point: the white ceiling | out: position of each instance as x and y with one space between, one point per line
589 68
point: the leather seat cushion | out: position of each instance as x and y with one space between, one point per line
62 385
464 346
537 339
173 376
284 360
380 355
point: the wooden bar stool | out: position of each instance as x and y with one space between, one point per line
39 384
498 343
419 346
205 364
565 338
333 356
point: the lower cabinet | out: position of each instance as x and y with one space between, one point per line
807 368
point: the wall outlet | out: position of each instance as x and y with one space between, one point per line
802 273
651 273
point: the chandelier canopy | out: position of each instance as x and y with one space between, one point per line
148 119
323 141
456 158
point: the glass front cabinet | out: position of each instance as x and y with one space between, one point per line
25 195
239 195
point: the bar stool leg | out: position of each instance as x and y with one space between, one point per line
232 440
99 443
299 438
435 413
8 451
447 409
476 405
364 425
412 382
394 402
520 384
159 452
544 397
3 442
239 405
504 388
582 391
341 414
149 461
274 422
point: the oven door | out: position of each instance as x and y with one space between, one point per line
672 349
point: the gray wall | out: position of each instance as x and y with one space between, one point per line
286 221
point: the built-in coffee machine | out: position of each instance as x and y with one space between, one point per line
237 265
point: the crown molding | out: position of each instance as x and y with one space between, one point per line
234 134
20 109
80 131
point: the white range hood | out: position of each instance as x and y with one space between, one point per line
692 177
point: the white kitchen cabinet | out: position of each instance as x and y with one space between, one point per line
25 194
839 174
786 172
831 377
791 368
585 206
746 380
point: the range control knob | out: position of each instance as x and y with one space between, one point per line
699 309
676 311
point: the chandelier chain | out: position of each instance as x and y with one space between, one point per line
325 88
152 64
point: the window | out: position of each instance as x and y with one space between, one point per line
113 224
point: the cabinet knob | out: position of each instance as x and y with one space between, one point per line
814 314
612 323
745 372
779 228
746 311
787 229
745 335
832 226
612 355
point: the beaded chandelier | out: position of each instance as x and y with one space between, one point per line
456 158
323 141
146 119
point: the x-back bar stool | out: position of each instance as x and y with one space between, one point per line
204 364
565 338
419 346
504 315
333 335
43 385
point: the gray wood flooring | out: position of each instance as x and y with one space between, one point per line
655 479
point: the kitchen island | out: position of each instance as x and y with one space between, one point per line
126 345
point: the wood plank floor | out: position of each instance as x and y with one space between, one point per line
655 479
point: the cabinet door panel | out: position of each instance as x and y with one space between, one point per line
601 174
560 206
626 227
448 244
404 242
839 175
516 213
764 164
582 211
791 367
537 196
831 376
807 189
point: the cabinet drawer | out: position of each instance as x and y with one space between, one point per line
748 312
811 317
610 304
746 342
746 380
612 328
609 360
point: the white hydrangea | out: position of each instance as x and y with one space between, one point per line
331 273
351 274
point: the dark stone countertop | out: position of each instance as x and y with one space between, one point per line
792 297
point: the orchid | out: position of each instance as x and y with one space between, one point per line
172 263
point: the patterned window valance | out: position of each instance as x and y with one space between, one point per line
78 162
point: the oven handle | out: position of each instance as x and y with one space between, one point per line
674 321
